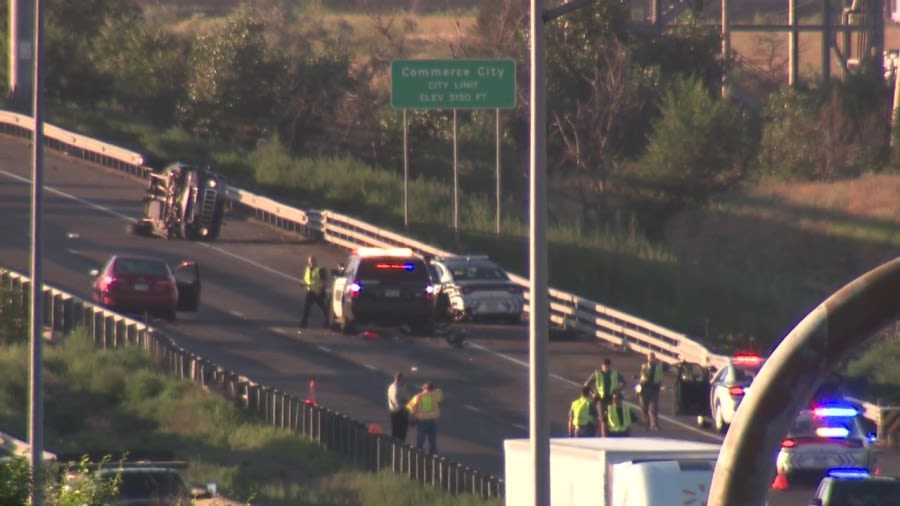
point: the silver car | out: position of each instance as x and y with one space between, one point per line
474 287
823 438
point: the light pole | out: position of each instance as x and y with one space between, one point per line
35 396
539 318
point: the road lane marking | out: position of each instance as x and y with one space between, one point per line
520 426
370 367
472 408
270 270
69 196
237 314
324 348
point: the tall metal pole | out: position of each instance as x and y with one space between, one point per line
455 179
539 318
726 45
405 173
35 396
793 45
497 140
826 40
21 52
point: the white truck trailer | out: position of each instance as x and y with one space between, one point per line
632 471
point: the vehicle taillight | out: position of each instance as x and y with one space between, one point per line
164 285
788 443
354 289
735 391
110 283
429 292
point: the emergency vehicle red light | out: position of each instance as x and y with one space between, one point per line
354 289
788 443
735 391
747 359
408 266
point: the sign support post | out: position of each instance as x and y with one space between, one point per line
470 84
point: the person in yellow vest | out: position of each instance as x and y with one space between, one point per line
605 381
618 419
649 385
583 415
424 411
314 284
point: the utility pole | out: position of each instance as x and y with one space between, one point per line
21 54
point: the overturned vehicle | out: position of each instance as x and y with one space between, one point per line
183 202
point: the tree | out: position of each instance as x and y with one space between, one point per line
233 82
80 486
13 317
699 147
144 64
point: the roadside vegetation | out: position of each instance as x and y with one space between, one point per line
720 219
138 412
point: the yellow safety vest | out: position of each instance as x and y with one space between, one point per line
425 406
311 277
653 377
614 424
581 411
613 382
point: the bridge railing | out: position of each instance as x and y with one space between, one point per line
364 448
567 310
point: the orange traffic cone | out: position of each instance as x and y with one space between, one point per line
311 392
374 428
780 483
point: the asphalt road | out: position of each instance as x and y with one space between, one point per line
248 321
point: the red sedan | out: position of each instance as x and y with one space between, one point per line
146 285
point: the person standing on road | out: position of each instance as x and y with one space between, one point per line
618 419
424 409
649 385
606 381
315 291
398 397
583 415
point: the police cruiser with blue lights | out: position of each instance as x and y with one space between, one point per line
825 437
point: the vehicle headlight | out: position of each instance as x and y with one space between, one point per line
211 183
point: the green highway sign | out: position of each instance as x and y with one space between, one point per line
453 84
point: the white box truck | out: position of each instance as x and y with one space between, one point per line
633 471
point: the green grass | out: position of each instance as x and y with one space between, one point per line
108 401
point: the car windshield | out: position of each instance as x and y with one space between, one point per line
393 269
865 493
150 485
477 272
741 374
147 267
806 426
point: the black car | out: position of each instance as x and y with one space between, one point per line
855 486
383 286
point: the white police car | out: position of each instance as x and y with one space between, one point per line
827 436
696 394
475 287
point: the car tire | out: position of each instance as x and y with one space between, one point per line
346 325
140 229
424 329
170 316
719 421
514 320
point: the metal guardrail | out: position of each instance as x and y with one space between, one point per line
331 429
567 310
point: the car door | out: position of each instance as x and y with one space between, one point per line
187 279
340 286
692 390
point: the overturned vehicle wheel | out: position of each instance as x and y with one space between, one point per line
141 228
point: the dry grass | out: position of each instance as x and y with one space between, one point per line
819 230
